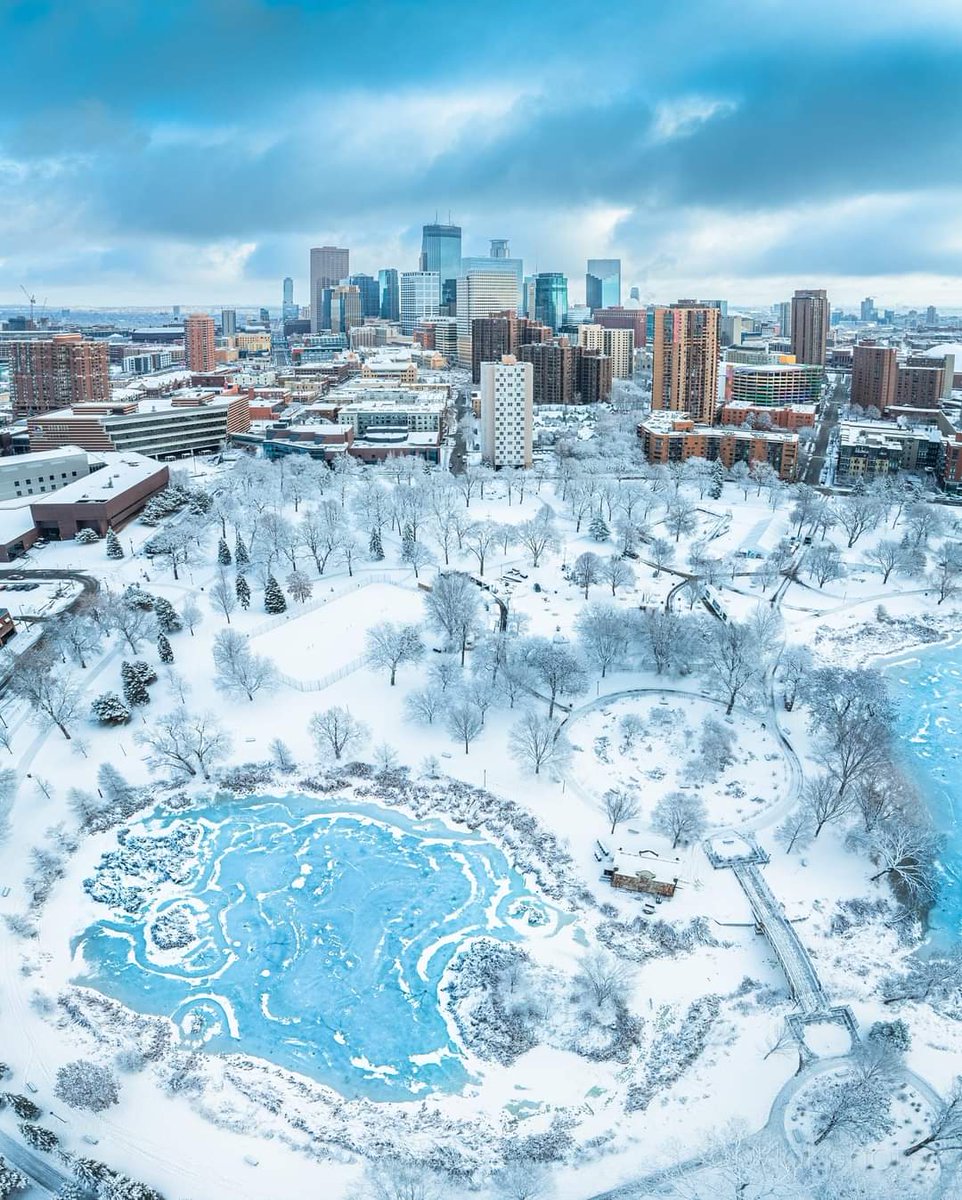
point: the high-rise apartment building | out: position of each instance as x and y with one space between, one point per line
52 373
684 367
551 299
507 412
623 318
594 376
199 342
367 285
811 317
502 333
288 290
555 365
783 314
617 344
931 316
867 310
919 387
603 283
420 297
441 252
228 321
390 293
329 265
874 376
481 293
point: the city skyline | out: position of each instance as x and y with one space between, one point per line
701 163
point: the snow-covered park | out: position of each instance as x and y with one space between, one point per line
356 825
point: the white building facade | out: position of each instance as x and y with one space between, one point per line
507 412
420 297
481 293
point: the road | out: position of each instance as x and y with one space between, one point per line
813 470
40 1170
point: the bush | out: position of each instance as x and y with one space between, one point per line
893 1034
85 1085
109 709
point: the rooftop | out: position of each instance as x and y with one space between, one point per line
118 472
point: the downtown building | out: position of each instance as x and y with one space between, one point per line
616 317
330 265
200 342
811 318
603 283
441 253
874 376
51 372
617 344
502 333
419 298
479 294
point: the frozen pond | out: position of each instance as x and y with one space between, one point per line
307 933
928 691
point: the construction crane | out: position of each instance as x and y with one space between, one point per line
32 299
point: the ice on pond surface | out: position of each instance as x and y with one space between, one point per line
312 935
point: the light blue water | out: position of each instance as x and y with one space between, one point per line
928 691
320 937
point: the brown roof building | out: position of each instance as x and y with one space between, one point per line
50 373
874 372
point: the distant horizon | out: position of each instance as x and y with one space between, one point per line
776 147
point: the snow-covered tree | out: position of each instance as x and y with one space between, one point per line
397 1179
620 805
11 1180
556 667
191 615
239 671
680 816
854 1105
375 546
465 721
906 853
47 690
537 742
617 573
109 709
945 1127
242 590
932 979
660 554
164 650
604 632
731 659
136 677
83 1084
184 742
79 637
299 586
453 607
87 537
424 704
114 548
390 646
586 570
223 552
479 538
274 601
337 730
166 616
223 595
598 528
242 556
538 535
823 562
131 621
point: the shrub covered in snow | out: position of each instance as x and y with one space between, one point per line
86 1085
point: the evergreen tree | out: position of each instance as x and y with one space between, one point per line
407 544
114 548
241 556
87 537
223 553
717 479
168 620
598 528
375 546
109 709
136 676
164 650
243 589
274 601
117 792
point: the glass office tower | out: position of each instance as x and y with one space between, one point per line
441 252
551 299
603 283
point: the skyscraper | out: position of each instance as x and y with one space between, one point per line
684 350
603 283
810 321
499 248
420 294
479 294
329 265
551 298
874 376
389 288
507 412
501 333
441 252
370 294
617 344
228 321
199 342
341 308
56 372
867 309
783 312
288 291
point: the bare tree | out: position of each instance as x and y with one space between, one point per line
931 979
923 521
537 741
177 546
945 1131
947 574
823 802
887 554
906 853
557 668
617 573
396 1179
418 556
858 513
479 538
424 704
47 690
453 607
465 721
223 596
620 805
604 633
793 667
661 634
191 616
679 816
78 637
680 517
855 1105
132 623
660 552
602 979
184 742
824 563
336 729
852 712
731 658
538 535
797 829
390 646
240 672
586 570
522 1179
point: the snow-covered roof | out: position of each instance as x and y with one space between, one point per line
120 470
15 521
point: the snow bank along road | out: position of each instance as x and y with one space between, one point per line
32 1165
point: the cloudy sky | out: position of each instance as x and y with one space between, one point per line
191 151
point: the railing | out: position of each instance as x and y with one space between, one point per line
318 685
